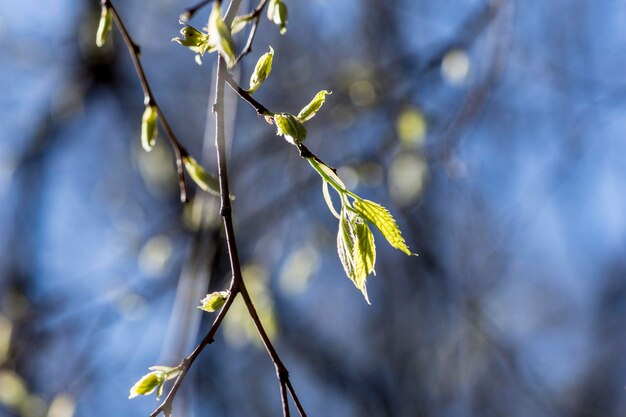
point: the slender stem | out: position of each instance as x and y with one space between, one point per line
283 397
135 50
255 15
260 109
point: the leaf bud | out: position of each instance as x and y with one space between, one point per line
261 70
149 128
290 127
202 178
277 13
104 27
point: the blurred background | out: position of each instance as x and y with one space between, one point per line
493 130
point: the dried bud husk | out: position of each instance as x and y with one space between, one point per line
149 128
261 70
104 27
290 127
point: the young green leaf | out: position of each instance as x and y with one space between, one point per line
194 39
104 26
364 249
380 217
147 384
203 179
214 301
356 256
290 127
261 70
220 34
345 246
277 13
310 109
149 128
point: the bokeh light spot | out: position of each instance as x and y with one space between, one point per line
407 176
455 66
411 127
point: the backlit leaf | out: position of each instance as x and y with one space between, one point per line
380 217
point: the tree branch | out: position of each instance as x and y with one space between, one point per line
237 285
135 51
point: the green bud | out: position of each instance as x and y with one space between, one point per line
202 178
220 33
277 13
149 128
214 301
147 384
310 109
104 27
154 381
261 70
290 127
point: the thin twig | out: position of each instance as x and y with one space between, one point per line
260 109
283 397
166 405
135 50
255 15
263 111
189 12
226 213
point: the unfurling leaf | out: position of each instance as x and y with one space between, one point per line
277 13
154 381
104 27
364 250
355 246
147 384
261 70
195 40
290 127
203 179
220 34
310 109
149 128
380 217
214 301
